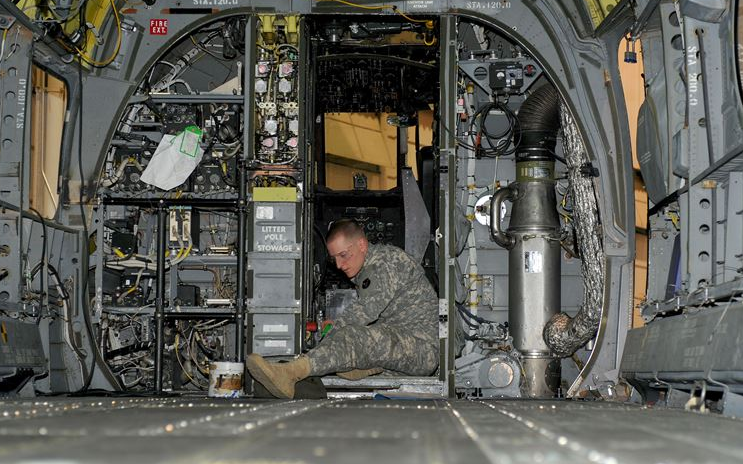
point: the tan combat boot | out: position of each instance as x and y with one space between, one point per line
358 374
278 378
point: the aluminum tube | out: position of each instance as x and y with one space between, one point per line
533 291
496 232
534 279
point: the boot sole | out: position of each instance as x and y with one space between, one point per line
358 374
260 371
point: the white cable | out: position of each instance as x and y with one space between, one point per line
66 332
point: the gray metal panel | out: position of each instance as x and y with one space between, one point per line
662 114
700 297
15 133
652 164
274 283
274 334
417 220
698 254
733 227
275 227
661 271
20 345
703 344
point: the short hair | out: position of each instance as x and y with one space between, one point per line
345 227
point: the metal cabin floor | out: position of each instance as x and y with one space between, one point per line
189 430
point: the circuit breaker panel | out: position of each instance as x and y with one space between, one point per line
198 228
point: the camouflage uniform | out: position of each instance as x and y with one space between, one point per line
393 324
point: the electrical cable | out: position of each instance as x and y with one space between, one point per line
558 157
324 261
504 143
68 321
44 263
85 250
467 321
203 48
109 60
474 317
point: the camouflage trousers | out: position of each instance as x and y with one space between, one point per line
354 347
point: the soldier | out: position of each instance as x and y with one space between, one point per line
393 324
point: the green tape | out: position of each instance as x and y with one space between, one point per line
190 141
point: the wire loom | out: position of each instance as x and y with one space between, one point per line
563 334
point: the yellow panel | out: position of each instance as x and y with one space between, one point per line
634 96
641 204
600 9
49 102
367 137
641 277
367 120
284 194
341 178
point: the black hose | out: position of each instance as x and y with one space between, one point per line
324 261
539 121
474 317
83 218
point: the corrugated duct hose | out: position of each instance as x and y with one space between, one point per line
539 121
563 334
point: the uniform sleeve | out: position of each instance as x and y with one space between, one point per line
377 288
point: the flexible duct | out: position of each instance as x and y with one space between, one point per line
563 334
539 121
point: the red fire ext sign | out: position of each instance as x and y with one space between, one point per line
158 26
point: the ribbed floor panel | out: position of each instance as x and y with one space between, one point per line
183 430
